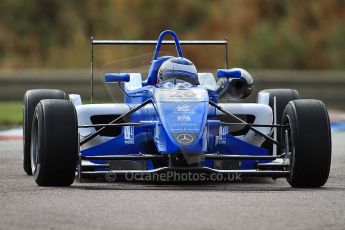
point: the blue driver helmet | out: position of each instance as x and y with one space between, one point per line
178 68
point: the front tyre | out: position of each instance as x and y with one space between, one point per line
54 143
310 142
31 99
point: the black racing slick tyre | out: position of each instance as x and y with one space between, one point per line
54 143
310 143
283 97
31 99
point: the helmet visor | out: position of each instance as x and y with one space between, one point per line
179 75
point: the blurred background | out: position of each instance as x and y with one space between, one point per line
284 44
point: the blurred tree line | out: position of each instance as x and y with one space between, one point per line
262 33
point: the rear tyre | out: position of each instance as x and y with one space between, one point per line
283 97
54 143
310 143
31 99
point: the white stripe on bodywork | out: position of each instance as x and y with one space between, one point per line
75 99
263 115
84 112
135 82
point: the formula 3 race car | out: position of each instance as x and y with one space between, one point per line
173 124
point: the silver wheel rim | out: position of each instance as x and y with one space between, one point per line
34 146
291 147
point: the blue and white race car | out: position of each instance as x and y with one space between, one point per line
173 123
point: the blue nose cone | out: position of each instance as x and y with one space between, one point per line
184 124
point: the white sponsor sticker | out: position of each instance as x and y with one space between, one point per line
191 95
129 134
183 118
183 108
223 131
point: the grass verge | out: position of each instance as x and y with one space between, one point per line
11 113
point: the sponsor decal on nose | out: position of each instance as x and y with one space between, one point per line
185 138
183 118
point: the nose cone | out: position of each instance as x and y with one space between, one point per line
182 112
184 123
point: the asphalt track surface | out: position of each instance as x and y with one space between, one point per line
255 204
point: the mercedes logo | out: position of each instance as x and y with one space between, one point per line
185 138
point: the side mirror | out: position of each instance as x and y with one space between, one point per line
229 73
116 77
237 83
